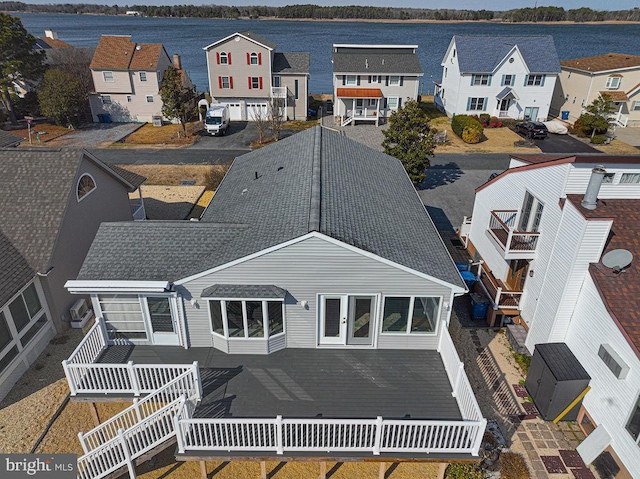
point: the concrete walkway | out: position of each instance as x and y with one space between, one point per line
367 134
630 136
95 136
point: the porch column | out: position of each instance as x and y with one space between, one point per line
323 470
382 470
263 470
377 111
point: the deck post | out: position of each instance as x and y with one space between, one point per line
196 372
279 445
136 406
94 413
82 442
263 470
70 381
127 454
378 437
458 379
382 470
441 468
133 378
178 429
478 440
203 469
323 470
497 301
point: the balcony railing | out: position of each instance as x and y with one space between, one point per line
278 92
503 114
516 244
501 296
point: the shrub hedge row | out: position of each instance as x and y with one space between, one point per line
467 128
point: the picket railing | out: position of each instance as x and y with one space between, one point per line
374 436
91 346
130 444
187 383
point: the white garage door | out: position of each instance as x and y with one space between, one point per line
259 108
235 111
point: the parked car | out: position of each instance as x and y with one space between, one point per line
532 129
329 104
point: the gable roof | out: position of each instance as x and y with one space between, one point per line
35 186
118 52
46 43
291 62
376 59
483 53
603 63
249 36
7 139
313 181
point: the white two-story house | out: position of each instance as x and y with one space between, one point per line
127 77
246 73
556 239
583 80
371 81
504 76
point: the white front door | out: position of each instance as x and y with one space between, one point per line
347 319
163 320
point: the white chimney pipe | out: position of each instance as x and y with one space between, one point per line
593 188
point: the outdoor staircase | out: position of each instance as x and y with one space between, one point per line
142 430
347 120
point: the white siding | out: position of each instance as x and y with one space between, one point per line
581 172
305 269
610 400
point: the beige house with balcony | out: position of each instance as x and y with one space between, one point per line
582 80
246 73
127 77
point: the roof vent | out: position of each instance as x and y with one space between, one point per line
366 63
618 260
138 47
383 61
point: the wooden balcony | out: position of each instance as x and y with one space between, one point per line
513 244
500 294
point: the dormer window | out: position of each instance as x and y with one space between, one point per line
613 83
253 58
108 77
224 58
86 185
143 76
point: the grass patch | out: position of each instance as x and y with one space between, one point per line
523 361
429 108
208 176
164 135
46 132
463 471
513 466
256 145
617 147
299 125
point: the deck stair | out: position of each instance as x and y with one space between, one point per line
346 121
143 427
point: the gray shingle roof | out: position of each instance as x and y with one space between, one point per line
482 53
242 291
315 180
7 139
375 61
259 39
35 185
291 62
130 177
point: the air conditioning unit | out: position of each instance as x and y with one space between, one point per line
80 313
156 120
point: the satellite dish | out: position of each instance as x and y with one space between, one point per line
617 260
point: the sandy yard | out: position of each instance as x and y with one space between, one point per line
172 175
169 202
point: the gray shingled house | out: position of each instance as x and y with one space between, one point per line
52 203
315 286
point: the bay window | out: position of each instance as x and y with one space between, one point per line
246 319
410 314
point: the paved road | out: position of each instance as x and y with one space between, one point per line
472 161
167 157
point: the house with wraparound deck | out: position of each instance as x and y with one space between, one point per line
314 294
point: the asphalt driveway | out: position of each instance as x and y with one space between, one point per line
563 144
95 135
238 136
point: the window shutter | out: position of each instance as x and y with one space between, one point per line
489 80
248 59
468 103
231 82
387 81
218 57
369 78
385 103
473 80
229 58
260 60
401 80
260 83
502 82
526 79
543 78
399 102
220 82
358 80
344 79
249 82
484 104
513 80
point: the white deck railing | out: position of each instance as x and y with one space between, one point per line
91 346
187 383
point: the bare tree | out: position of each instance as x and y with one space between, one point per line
258 115
276 116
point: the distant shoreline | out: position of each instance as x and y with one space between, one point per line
347 20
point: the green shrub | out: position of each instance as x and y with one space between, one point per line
523 360
513 466
463 471
460 122
484 119
598 139
471 135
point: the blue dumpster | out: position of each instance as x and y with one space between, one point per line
479 305
107 117
469 278
462 266
565 115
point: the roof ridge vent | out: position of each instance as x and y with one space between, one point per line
314 200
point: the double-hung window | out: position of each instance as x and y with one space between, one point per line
224 82
508 80
143 76
476 104
613 82
410 314
479 80
253 59
108 77
351 80
392 103
223 58
535 80
394 80
246 319
149 98
106 99
255 83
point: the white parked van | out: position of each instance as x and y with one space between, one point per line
216 121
